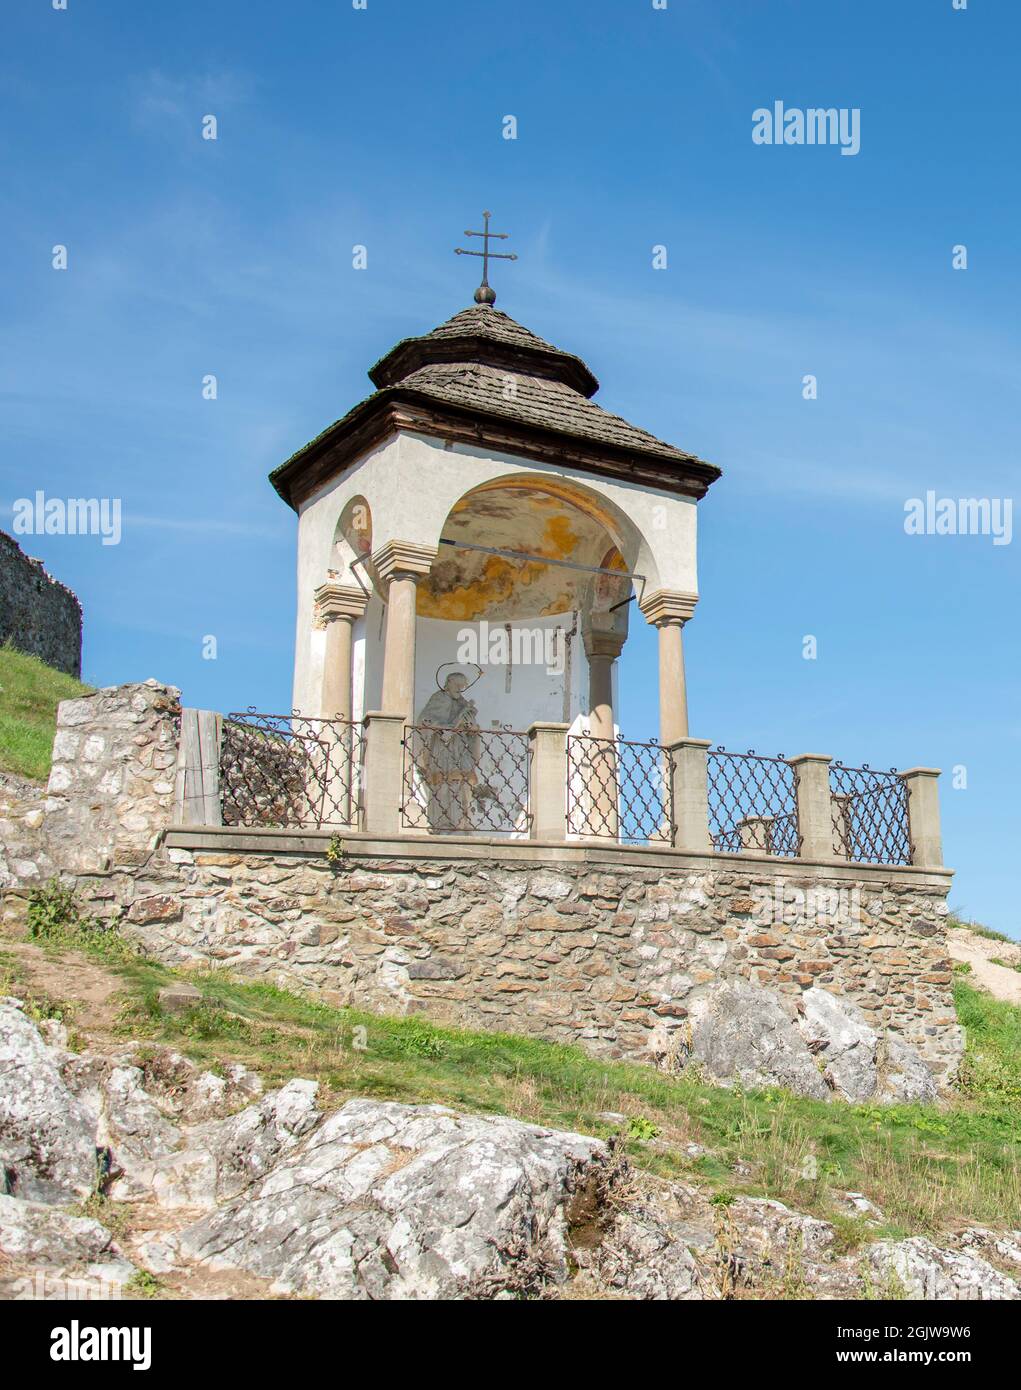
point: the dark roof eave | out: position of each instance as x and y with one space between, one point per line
700 472
411 353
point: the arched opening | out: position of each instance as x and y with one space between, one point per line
352 543
523 546
519 622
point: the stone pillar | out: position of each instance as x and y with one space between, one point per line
923 817
815 811
400 565
668 611
756 834
384 772
111 792
337 606
603 644
547 779
691 795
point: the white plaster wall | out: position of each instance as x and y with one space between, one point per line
412 481
512 694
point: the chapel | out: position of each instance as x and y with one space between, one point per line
479 528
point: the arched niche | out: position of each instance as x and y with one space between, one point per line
526 546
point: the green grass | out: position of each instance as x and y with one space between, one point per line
29 694
956 918
991 1074
927 1167
55 917
1007 964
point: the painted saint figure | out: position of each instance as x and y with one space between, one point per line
450 758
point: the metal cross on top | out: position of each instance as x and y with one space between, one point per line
484 295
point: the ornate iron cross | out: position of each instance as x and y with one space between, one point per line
485 295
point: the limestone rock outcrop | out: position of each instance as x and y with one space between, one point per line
47 1145
386 1200
742 1034
380 1200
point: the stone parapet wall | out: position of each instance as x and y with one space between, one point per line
616 948
38 614
614 957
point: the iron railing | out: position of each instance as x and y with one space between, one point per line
284 770
619 789
870 815
465 780
752 804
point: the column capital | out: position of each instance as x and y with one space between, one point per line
404 559
379 716
603 642
334 601
668 606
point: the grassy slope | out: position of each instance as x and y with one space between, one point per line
29 694
928 1168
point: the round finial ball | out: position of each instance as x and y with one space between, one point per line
484 295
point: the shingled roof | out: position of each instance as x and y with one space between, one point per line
481 377
484 334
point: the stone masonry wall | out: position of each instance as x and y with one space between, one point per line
38 614
611 959
110 793
565 943
24 857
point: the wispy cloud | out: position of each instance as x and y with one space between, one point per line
161 101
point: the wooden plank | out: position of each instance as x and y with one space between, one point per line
197 785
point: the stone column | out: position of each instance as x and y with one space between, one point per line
547 778
603 645
400 565
336 608
815 809
668 611
923 816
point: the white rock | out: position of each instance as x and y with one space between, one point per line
221 1158
36 1234
1004 1246
125 1118
849 1044
47 1140
389 1201
926 1272
741 1033
904 1076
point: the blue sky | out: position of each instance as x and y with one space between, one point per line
384 127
